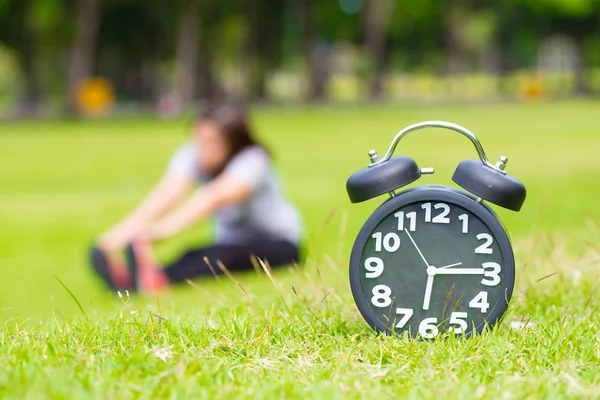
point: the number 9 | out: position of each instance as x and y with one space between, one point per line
375 267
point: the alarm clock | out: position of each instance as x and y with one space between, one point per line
433 260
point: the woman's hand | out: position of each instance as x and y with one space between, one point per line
117 238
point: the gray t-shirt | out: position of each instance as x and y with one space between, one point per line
267 213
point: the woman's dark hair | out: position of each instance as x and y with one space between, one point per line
232 120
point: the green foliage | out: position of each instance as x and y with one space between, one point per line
480 29
137 42
416 30
45 14
563 8
9 77
331 23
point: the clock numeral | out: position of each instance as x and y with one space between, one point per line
391 241
406 314
381 296
458 318
480 302
465 222
411 216
374 266
492 271
428 328
427 208
441 218
485 248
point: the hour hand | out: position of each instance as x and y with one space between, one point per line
451 265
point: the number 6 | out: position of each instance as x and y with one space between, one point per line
428 329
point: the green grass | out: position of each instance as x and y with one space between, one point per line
299 334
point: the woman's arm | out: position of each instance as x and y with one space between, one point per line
219 193
160 199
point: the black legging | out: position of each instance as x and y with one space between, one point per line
235 257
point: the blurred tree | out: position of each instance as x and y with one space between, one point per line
456 48
135 41
215 18
416 35
577 19
188 44
316 50
324 23
87 17
378 15
18 33
24 24
195 47
510 22
263 24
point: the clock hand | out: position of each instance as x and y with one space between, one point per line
450 266
430 272
428 288
416 247
459 271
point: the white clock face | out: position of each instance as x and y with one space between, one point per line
429 267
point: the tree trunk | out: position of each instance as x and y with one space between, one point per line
254 71
580 77
150 85
258 80
319 70
506 66
187 53
28 61
376 24
317 54
253 75
32 95
83 51
209 86
456 50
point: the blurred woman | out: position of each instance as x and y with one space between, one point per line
239 188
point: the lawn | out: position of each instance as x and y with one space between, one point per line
297 334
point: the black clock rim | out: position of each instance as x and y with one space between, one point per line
435 193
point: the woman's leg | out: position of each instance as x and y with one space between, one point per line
207 261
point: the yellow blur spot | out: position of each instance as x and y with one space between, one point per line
95 96
531 88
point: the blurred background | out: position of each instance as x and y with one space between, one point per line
96 95
100 56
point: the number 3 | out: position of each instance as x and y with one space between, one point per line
494 274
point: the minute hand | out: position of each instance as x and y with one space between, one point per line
460 271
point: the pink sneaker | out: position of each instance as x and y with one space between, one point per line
111 269
144 269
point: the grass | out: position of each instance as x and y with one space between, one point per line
297 334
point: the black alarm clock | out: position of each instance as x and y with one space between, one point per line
433 260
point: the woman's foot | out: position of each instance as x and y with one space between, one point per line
144 268
112 270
